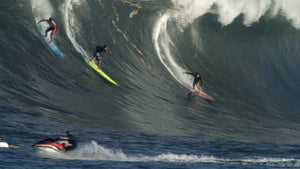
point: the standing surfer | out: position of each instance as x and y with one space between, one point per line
100 49
53 27
197 80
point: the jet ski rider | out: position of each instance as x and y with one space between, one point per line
71 139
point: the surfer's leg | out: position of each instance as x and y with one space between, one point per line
98 57
99 63
199 87
194 85
51 37
52 33
92 58
46 32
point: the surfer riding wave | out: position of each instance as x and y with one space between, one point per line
100 49
53 27
197 80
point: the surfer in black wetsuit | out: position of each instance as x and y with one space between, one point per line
53 27
100 49
197 80
72 141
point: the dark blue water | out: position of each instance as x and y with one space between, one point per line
246 51
135 150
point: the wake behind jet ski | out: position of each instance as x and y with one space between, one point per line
61 144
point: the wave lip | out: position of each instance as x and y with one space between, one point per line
185 13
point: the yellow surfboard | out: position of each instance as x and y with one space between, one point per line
95 67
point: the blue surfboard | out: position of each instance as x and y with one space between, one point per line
52 45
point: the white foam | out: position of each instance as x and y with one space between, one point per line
228 10
42 9
290 9
251 10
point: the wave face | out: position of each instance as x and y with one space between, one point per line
246 51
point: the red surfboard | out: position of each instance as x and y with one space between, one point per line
203 95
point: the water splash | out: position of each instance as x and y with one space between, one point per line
94 152
41 9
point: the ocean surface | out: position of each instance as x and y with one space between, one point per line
247 52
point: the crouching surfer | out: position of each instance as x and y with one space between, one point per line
197 80
100 49
71 144
53 27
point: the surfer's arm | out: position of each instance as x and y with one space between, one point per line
64 138
189 73
43 20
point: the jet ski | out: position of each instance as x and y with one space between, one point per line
4 144
51 145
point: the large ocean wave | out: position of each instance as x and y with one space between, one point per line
246 51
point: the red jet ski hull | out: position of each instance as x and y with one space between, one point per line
49 145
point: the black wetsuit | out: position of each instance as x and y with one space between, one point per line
196 79
71 140
99 49
52 25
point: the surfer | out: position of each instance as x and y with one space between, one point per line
100 49
71 139
53 27
197 80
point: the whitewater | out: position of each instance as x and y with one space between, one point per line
247 53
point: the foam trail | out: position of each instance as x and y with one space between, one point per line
160 32
69 20
41 9
163 43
